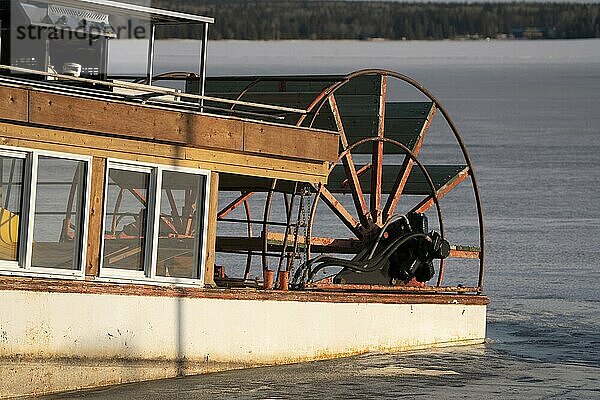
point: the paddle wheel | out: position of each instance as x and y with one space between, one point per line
379 190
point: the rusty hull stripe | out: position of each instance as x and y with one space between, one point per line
90 287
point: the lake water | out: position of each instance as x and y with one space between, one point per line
529 112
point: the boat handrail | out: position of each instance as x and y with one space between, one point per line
152 89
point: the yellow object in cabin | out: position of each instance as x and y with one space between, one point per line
9 234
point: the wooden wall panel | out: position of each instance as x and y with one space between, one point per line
134 121
95 219
203 131
161 153
150 125
13 103
296 143
213 208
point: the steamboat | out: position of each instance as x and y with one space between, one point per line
172 223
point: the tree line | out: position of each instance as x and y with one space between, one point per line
316 19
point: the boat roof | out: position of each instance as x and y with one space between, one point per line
156 14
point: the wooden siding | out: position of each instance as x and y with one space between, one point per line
161 153
13 104
154 124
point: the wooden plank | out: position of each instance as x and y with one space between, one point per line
443 190
288 142
409 109
94 239
318 244
140 122
359 105
338 287
242 199
13 103
377 157
353 182
275 244
404 122
138 289
180 128
161 153
211 233
457 253
342 213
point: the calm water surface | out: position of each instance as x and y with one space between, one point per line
530 115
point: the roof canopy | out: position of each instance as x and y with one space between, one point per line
156 15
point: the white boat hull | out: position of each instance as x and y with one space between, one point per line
56 341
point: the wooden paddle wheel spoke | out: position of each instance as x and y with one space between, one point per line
407 164
241 199
350 169
175 218
377 157
342 212
428 202
188 210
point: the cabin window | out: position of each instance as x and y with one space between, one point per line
43 205
154 223
179 228
58 215
126 219
12 171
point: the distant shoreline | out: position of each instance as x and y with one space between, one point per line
387 20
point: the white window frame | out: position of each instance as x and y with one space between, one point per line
23 266
132 167
148 275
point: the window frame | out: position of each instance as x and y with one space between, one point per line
148 274
116 273
23 266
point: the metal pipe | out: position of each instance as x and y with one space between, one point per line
289 208
153 89
249 227
265 263
150 64
203 50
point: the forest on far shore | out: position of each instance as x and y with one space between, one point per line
315 19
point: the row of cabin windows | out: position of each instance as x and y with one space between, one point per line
153 223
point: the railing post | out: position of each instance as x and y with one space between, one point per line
150 65
201 83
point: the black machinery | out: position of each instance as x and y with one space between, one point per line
403 250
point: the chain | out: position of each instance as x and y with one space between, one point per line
301 222
304 224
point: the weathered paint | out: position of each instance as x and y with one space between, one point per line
53 341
